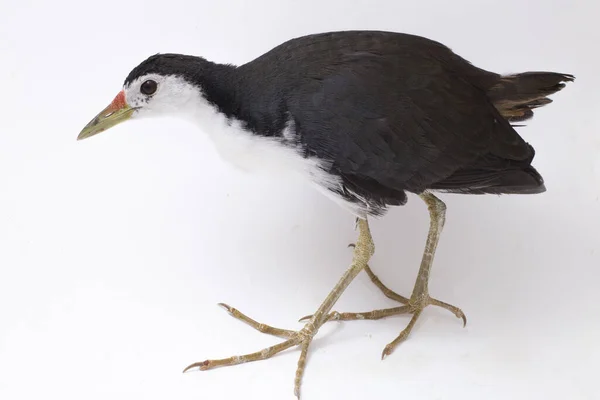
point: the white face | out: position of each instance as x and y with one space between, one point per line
156 95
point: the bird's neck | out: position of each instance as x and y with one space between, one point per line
220 85
238 120
243 98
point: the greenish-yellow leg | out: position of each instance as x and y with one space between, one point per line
420 296
362 253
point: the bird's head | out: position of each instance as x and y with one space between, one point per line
161 85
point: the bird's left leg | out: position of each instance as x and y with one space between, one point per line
420 298
362 253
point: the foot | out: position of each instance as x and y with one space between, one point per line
301 338
410 306
416 307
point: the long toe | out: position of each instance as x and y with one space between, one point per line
263 328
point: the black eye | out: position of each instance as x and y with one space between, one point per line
148 87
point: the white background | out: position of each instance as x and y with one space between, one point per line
114 251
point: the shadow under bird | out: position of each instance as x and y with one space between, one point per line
365 116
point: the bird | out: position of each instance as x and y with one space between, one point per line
364 116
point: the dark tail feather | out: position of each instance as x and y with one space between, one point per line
526 181
515 96
491 174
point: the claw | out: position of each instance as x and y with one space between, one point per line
307 317
203 365
454 310
226 307
386 352
333 316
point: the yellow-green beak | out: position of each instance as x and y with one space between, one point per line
117 112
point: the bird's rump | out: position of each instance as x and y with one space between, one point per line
515 96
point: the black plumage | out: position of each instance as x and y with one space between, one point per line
391 112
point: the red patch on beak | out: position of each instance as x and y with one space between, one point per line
119 102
